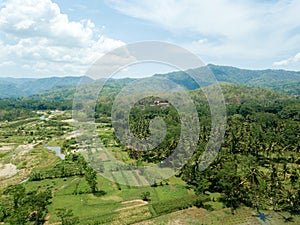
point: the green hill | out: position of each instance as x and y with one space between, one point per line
278 80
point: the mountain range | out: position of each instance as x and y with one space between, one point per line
278 80
15 87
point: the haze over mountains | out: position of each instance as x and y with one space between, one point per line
13 87
278 80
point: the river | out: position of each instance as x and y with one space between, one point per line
57 150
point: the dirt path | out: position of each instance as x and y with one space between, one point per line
23 149
47 221
6 148
139 201
65 185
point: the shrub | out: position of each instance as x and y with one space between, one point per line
145 196
169 206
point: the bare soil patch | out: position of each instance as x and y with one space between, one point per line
8 170
139 202
6 148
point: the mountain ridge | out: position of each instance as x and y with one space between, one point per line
15 87
278 80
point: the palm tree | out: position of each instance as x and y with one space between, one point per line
294 177
254 175
285 170
273 177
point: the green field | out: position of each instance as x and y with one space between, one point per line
112 203
254 177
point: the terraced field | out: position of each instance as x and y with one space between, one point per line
22 149
22 146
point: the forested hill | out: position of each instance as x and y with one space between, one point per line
278 80
245 101
239 99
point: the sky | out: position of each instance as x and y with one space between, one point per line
42 38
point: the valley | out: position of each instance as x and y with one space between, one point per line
253 180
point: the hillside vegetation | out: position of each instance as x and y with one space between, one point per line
278 80
255 174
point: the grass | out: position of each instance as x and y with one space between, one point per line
107 205
243 215
74 193
3 154
85 205
214 203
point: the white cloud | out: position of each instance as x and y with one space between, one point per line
36 34
7 63
200 41
297 58
292 61
217 17
282 62
237 29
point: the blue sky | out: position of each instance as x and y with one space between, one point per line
40 38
